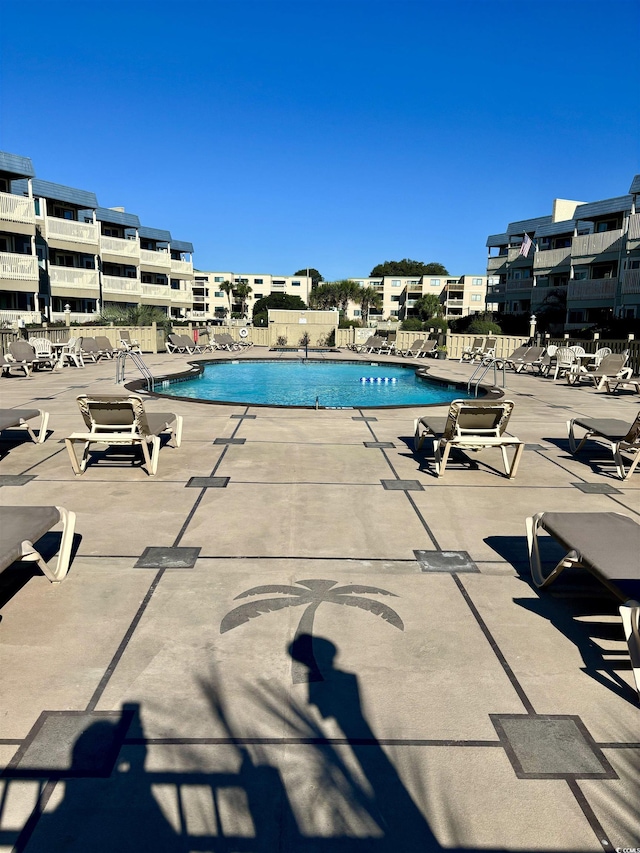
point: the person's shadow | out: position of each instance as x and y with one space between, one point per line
337 696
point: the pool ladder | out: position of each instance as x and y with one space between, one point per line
137 359
481 371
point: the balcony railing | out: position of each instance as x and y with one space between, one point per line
17 208
596 244
73 277
118 246
520 284
156 290
634 227
76 232
631 281
19 267
155 259
592 288
551 258
181 266
117 284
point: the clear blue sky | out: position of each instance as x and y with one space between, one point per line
279 135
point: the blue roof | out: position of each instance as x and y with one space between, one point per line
16 165
602 208
58 192
635 185
117 217
154 234
180 246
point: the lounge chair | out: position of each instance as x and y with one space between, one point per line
631 384
363 347
10 418
90 349
616 433
515 359
607 544
190 345
427 349
611 367
531 359
174 344
128 343
106 348
21 354
547 359
224 341
469 425
118 420
414 348
469 353
489 349
23 526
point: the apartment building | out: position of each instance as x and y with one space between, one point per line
211 302
459 295
588 251
60 252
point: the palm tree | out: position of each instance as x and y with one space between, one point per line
228 288
314 593
242 291
347 290
323 297
368 298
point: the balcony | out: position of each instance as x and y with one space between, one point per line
73 278
181 267
19 267
17 208
72 232
113 284
631 281
155 259
520 284
592 288
551 258
156 291
633 234
592 245
129 249
184 295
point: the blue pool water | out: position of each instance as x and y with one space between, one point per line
309 383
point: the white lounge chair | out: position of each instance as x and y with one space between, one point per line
470 425
611 368
118 420
23 526
616 433
607 544
10 418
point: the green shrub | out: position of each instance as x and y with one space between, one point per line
412 324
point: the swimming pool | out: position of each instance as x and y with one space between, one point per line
312 384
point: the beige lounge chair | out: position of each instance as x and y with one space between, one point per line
616 433
23 526
470 425
118 420
515 359
611 367
128 343
469 353
105 345
174 343
607 544
90 349
22 355
10 418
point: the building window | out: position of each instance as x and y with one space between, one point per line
218 278
435 282
477 282
219 293
357 313
476 297
393 313
395 299
395 282
256 281
295 284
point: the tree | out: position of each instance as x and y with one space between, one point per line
312 273
408 267
323 297
312 594
227 286
347 290
243 291
428 306
368 298
282 301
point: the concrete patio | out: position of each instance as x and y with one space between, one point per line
159 703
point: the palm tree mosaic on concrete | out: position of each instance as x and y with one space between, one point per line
311 593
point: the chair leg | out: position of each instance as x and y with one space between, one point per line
572 439
571 559
617 455
178 432
512 469
68 520
77 470
442 456
630 613
42 433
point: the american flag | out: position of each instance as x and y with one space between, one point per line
526 246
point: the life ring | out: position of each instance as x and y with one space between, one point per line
243 333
